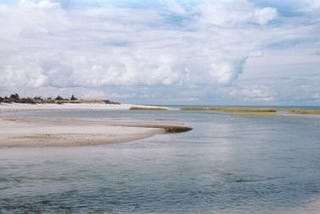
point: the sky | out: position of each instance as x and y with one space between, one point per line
217 52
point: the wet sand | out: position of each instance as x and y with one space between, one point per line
44 132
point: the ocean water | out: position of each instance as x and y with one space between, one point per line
226 164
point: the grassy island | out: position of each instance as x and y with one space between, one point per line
304 111
235 110
148 108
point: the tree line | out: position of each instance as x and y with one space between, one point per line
15 98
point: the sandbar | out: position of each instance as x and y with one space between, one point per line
35 132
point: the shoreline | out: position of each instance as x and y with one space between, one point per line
35 132
43 132
242 111
14 107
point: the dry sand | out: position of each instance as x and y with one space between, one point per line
4 107
41 132
44 132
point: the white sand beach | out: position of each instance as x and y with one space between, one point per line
15 133
5 107
44 132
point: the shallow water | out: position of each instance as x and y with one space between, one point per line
227 164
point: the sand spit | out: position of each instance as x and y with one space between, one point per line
41 132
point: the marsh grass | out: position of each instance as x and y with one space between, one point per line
256 113
304 111
197 108
233 110
148 108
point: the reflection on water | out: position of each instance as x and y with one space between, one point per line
227 164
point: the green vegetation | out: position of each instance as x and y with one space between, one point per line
148 108
198 108
177 129
15 98
170 128
234 110
304 111
73 98
246 110
255 113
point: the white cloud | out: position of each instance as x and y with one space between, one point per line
17 77
48 46
254 93
42 4
176 8
225 71
265 15
228 13
311 5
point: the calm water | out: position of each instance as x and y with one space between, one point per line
227 164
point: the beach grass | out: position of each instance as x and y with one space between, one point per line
148 108
304 111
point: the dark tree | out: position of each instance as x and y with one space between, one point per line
73 98
59 98
14 97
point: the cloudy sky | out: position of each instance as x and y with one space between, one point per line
258 52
